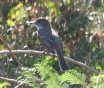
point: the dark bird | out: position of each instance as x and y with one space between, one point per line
50 38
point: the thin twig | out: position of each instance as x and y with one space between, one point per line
2 38
12 54
9 80
20 84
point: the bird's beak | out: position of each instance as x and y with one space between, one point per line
31 23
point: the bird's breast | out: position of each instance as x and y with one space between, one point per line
45 32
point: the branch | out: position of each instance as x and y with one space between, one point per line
2 39
21 52
9 80
20 84
42 52
12 54
82 65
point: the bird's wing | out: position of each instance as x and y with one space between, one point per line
49 43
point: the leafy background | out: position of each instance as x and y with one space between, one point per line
79 24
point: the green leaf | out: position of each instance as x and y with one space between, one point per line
10 22
17 13
4 84
67 1
1 46
97 81
49 76
73 77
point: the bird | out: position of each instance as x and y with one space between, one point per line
50 38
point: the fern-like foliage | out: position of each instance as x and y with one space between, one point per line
73 77
55 80
28 75
97 81
49 76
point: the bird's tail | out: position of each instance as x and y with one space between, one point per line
61 61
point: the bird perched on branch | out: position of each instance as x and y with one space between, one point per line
50 38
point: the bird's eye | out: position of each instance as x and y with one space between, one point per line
38 22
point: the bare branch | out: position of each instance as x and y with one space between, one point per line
21 52
82 65
42 52
12 54
20 84
8 48
9 80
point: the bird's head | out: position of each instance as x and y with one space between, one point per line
40 23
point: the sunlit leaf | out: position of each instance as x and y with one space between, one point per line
10 22
67 1
98 67
1 46
13 16
17 13
50 4
19 5
4 84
